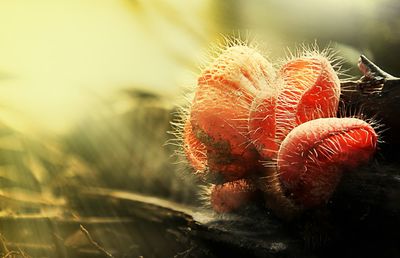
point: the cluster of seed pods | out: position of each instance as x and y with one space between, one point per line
252 128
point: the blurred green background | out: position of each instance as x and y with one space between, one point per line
88 87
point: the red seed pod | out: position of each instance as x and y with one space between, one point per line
308 88
311 90
220 109
194 150
262 123
232 196
313 156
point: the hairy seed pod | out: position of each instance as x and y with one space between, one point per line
231 196
313 156
262 124
307 88
311 90
220 109
195 151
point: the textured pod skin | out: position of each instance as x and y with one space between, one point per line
243 113
306 88
262 124
232 196
313 156
219 112
195 151
311 90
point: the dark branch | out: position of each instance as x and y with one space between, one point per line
371 70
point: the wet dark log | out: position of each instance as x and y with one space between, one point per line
361 220
365 212
198 231
131 225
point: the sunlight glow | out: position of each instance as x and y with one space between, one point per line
58 55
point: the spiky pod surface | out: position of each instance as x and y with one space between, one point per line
314 154
262 123
306 88
311 90
244 112
219 112
232 196
195 151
